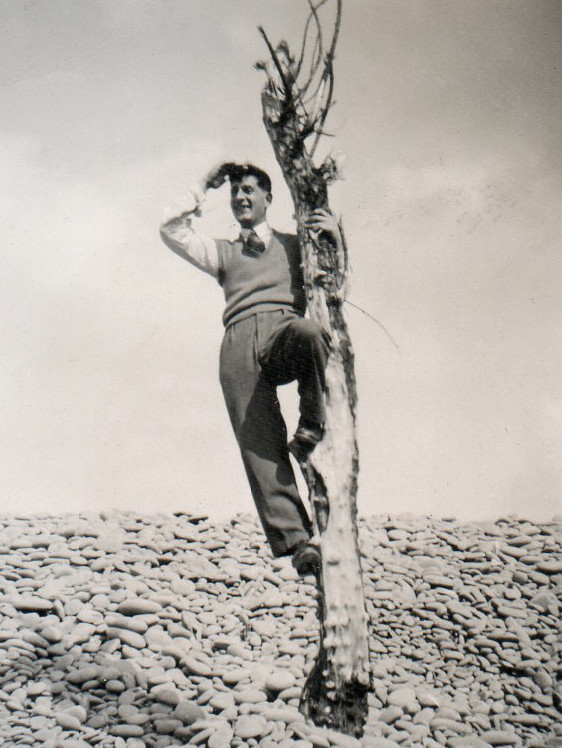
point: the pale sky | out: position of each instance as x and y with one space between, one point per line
449 114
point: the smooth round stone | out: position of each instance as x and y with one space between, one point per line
390 714
127 731
126 711
38 722
398 535
237 650
108 673
249 726
500 737
550 567
67 721
168 696
73 606
543 680
402 697
31 603
89 615
442 723
266 627
138 606
290 648
177 631
93 645
529 720
81 633
109 543
189 712
429 697
130 638
290 694
195 666
82 675
37 687
288 574
77 711
254 640
138 625
279 680
222 738
341 740
438 580
167 725
249 696
221 700
115 686
175 651
182 586
52 634
232 677
546 602
281 714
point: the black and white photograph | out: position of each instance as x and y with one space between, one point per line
281 431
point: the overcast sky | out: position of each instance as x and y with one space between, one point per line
449 113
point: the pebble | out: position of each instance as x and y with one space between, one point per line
500 737
249 726
402 697
279 680
67 721
130 638
130 631
222 738
138 606
82 675
196 666
189 712
138 625
127 731
232 677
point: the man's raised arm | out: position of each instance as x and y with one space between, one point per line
178 234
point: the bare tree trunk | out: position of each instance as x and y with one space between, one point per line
335 693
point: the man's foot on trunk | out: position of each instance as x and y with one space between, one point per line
305 439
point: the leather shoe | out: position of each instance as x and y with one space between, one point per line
304 441
307 559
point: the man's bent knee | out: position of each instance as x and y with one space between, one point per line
309 331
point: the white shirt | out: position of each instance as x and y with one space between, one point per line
199 249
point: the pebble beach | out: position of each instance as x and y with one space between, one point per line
122 630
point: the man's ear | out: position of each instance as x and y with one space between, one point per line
269 198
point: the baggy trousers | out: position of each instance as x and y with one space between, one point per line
259 353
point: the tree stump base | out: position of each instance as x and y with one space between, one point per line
344 710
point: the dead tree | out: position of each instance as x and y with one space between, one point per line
296 100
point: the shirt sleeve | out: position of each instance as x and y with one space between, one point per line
178 234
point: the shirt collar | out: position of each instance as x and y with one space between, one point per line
263 230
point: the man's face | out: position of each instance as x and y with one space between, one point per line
249 202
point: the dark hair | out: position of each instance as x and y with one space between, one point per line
237 172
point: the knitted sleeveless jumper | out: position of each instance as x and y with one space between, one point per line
260 283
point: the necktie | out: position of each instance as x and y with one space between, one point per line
253 243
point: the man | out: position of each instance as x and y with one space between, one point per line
267 342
